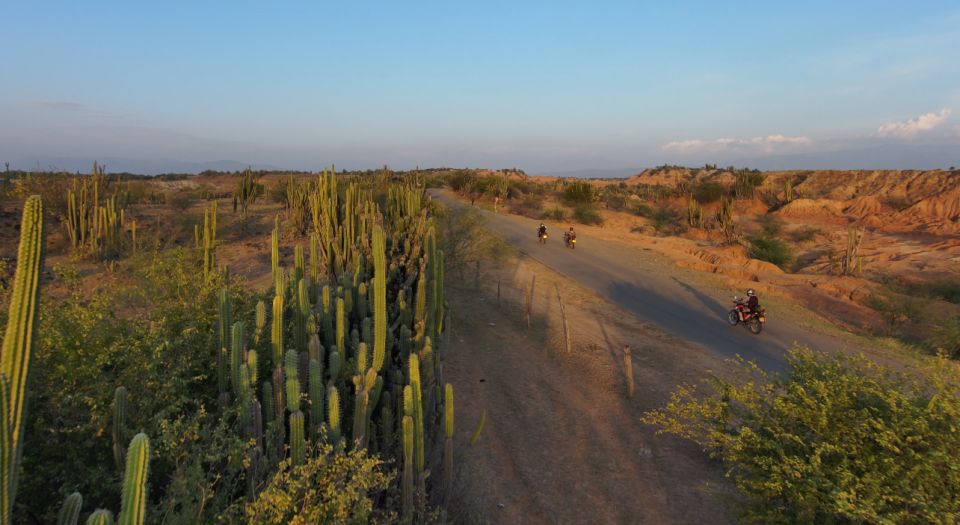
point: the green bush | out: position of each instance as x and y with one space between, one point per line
835 440
770 225
556 214
579 192
707 192
329 488
943 289
645 210
587 214
772 250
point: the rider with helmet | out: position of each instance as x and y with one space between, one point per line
752 303
569 235
542 230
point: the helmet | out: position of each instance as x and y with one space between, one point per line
541 224
750 292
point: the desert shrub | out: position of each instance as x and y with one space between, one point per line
707 192
771 249
945 337
329 488
528 206
945 289
645 210
579 192
614 201
895 308
555 214
460 180
666 220
770 225
466 241
587 214
746 182
807 233
278 193
834 440
179 200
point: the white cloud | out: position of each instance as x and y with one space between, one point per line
768 144
915 126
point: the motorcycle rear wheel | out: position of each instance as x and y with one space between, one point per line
733 317
755 326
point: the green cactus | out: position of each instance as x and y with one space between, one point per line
100 517
293 381
408 460
361 303
237 354
268 404
296 438
260 322
70 511
316 397
134 502
362 358
303 313
694 213
275 253
245 193
379 298
327 315
414 371
119 425
18 345
448 438
276 331
341 324
333 414
335 365
252 366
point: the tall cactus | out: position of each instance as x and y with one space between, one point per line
407 482
417 406
275 251
379 298
448 439
316 397
18 345
100 517
70 511
119 425
260 322
237 354
276 331
333 414
341 330
296 438
134 503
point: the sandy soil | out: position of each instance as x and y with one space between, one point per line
562 442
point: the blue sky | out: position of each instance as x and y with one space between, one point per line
546 86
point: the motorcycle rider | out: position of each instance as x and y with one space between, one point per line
752 303
569 235
541 231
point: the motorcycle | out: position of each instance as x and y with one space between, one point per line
542 238
740 313
571 242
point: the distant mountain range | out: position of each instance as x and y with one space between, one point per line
139 166
594 173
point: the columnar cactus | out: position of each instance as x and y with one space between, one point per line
260 321
100 517
417 399
379 298
448 438
237 354
17 348
134 502
408 460
296 438
275 251
327 315
293 381
276 331
119 425
333 414
70 511
316 397
341 324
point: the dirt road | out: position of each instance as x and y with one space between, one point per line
651 287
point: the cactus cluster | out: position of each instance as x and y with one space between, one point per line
95 220
351 362
694 213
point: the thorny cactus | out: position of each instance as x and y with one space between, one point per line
134 502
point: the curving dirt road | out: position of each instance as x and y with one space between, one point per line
651 287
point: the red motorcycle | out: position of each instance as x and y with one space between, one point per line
741 314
